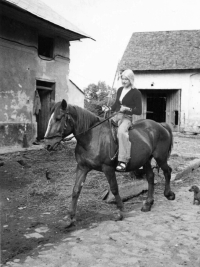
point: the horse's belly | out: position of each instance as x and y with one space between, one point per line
141 150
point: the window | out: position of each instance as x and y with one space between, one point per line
43 85
45 46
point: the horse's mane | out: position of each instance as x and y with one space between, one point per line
84 119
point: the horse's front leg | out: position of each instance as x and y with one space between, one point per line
111 177
81 173
150 178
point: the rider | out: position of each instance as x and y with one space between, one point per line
127 103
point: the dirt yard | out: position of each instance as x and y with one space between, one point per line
31 202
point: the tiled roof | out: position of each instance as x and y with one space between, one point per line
164 50
41 10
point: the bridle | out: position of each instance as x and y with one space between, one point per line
67 118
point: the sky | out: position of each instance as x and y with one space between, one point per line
111 23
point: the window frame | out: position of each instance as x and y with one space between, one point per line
50 51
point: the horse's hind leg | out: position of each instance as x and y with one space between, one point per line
168 193
150 178
111 177
81 174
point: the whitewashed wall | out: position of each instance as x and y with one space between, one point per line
189 83
74 95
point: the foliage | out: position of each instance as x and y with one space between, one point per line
96 96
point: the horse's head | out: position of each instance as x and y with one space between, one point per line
59 126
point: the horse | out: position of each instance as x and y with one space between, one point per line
95 147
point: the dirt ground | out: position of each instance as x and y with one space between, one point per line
31 202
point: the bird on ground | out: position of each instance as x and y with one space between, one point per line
196 191
48 175
49 178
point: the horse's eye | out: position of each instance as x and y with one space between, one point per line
59 117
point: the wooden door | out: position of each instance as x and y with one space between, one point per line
44 114
173 109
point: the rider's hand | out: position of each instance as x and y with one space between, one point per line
105 108
123 108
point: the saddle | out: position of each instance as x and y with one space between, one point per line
114 129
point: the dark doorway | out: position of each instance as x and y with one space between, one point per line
46 91
162 105
156 107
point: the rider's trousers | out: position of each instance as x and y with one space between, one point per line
124 122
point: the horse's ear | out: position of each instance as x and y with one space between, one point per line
64 104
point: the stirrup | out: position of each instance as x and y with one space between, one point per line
121 167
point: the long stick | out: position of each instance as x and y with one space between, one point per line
110 94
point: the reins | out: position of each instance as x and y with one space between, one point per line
69 138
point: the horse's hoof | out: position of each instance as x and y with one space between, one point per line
67 221
170 196
147 206
119 216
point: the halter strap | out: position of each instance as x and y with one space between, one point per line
65 114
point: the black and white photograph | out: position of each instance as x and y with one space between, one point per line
100 133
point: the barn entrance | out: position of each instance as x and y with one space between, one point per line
161 105
46 91
156 107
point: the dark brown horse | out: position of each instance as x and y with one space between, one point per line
96 146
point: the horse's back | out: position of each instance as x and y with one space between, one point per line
147 125
151 131
142 136
148 138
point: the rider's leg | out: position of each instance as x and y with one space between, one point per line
124 143
118 118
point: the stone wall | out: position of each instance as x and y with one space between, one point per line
20 67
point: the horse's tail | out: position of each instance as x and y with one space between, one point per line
169 129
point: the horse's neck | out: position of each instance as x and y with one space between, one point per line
83 120
93 138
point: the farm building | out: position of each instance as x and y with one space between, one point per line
167 70
75 95
34 68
